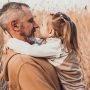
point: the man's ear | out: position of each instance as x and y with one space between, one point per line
15 24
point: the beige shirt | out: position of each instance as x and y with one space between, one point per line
28 73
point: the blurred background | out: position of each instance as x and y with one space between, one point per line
53 5
79 11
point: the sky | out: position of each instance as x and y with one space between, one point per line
53 5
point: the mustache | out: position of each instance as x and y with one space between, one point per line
31 39
33 32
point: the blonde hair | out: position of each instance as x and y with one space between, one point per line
65 29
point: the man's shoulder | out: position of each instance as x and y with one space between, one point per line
14 58
16 61
17 57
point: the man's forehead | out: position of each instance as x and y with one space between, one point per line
27 12
26 9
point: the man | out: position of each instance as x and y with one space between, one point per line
22 71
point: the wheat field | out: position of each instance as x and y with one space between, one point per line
82 21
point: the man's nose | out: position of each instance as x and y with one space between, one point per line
36 25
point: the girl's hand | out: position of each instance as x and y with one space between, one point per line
6 36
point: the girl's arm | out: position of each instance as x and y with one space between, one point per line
51 48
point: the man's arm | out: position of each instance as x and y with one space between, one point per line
51 48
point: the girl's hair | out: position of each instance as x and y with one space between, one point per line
66 30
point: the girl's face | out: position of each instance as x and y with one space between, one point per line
58 24
50 26
46 30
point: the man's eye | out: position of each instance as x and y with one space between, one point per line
31 20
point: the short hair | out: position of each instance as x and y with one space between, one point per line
13 7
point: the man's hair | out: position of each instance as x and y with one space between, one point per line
16 11
12 5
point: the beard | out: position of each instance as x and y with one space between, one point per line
29 36
31 33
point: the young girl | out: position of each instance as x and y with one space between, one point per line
61 50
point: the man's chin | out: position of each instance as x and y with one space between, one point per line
31 40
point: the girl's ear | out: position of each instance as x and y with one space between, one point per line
15 24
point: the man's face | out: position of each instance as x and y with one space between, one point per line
29 25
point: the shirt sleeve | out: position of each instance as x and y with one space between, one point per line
50 49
